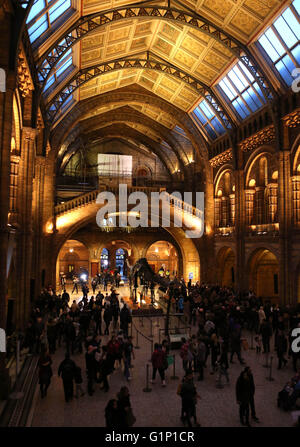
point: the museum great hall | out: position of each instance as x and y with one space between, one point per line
190 95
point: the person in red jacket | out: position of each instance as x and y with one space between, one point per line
159 360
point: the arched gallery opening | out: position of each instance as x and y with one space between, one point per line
264 275
226 267
104 259
114 255
162 254
73 259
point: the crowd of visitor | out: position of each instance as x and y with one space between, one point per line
217 315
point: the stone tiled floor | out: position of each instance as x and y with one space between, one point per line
161 407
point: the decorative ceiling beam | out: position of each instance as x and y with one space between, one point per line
87 74
87 24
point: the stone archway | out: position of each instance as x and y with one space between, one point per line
73 258
163 253
263 271
226 267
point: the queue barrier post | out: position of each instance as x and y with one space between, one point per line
147 389
137 340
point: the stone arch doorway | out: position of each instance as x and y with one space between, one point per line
226 267
73 259
104 259
163 254
114 255
264 275
143 176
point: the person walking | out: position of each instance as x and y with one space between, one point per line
70 334
127 354
243 397
223 364
200 358
106 368
158 360
52 335
125 319
45 372
214 352
75 284
235 341
189 398
94 285
124 406
107 317
252 390
66 370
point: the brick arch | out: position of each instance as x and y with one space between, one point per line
220 174
190 255
295 155
129 115
175 244
131 94
121 131
56 258
222 257
267 151
253 263
125 243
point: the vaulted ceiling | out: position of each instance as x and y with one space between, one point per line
192 41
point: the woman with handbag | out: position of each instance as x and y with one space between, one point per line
127 417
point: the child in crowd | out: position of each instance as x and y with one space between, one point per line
258 344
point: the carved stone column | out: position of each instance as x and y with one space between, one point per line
285 226
232 210
217 212
6 107
224 211
296 199
249 206
272 216
239 233
25 234
259 205
37 219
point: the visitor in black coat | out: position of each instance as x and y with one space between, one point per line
67 370
112 414
243 397
107 317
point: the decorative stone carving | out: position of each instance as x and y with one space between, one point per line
25 83
293 119
220 159
264 136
